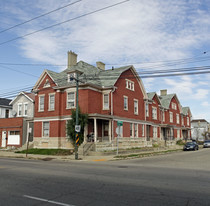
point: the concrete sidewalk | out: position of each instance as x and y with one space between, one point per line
98 158
12 154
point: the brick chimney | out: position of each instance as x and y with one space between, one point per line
72 59
100 65
163 92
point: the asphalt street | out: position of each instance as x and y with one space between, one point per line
173 179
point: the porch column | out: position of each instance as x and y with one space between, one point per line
85 133
110 130
95 130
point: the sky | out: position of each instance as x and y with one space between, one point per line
151 35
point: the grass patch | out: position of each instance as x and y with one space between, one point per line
59 152
145 154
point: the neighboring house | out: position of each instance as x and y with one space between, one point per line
5 108
107 96
199 128
17 129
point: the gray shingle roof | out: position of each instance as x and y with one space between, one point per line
166 100
5 102
89 75
151 95
185 110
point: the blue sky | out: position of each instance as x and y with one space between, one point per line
151 35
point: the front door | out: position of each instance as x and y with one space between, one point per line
3 140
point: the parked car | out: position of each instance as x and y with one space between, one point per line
206 144
190 146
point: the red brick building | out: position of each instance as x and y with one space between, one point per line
107 96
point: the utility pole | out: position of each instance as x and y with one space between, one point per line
77 119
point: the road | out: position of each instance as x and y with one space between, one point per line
173 179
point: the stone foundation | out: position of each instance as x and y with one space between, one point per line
53 143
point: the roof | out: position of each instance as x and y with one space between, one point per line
151 95
199 120
5 102
89 75
185 110
30 96
166 100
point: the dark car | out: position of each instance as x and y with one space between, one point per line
206 144
190 146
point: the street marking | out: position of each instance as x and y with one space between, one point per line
99 160
45 200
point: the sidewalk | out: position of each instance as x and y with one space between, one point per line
98 158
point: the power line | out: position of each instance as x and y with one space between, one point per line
58 24
37 17
14 93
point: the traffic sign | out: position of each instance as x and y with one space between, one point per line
119 123
77 128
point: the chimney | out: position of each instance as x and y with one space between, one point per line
163 92
100 65
72 59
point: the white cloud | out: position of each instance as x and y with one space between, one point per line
205 104
200 94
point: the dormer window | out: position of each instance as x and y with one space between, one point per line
71 77
47 83
129 85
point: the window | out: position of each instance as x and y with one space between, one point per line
25 112
129 85
155 132
41 103
71 77
163 116
147 109
71 100
188 122
142 130
6 113
47 84
51 102
177 118
106 101
174 106
135 130
171 116
136 107
46 129
20 109
125 103
154 113
131 129
182 120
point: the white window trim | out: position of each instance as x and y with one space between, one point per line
163 116
188 121
129 85
51 94
155 132
125 97
20 115
171 115
177 118
72 101
43 130
154 116
105 108
147 109
24 109
131 130
137 112
42 95
137 131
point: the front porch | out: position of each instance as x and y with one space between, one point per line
98 130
